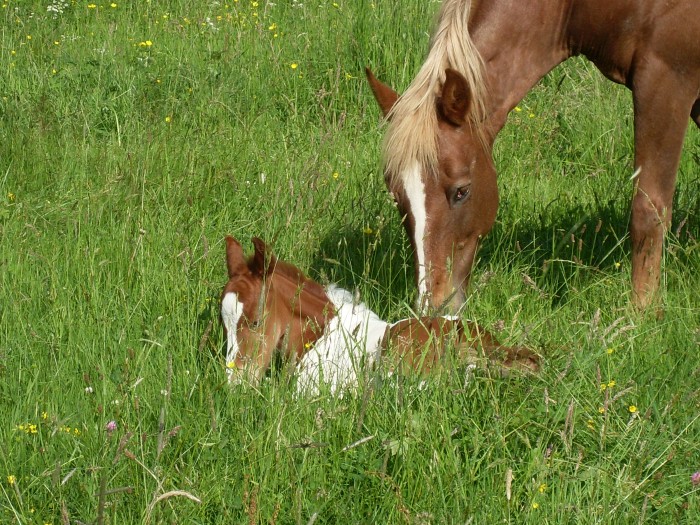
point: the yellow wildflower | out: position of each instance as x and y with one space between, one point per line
294 65
11 479
632 409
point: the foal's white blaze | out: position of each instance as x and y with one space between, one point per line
415 192
231 311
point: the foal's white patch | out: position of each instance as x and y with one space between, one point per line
352 340
415 191
231 311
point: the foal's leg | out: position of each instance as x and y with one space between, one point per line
661 108
695 112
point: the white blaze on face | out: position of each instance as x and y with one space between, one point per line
415 192
231 311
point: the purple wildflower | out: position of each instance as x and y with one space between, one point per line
695 478
111 426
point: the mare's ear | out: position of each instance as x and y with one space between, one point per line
235 260
386 97
455 99
263 261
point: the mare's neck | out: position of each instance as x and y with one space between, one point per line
519 42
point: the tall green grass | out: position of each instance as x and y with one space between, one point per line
134 137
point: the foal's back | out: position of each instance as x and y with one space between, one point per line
427 343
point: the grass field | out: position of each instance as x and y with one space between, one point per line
135 135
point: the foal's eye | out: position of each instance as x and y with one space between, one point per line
461 194
253 325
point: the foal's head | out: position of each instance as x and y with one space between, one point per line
268 306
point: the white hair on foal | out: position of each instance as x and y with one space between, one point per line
231 311
351 341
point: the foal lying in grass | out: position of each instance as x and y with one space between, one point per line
270 306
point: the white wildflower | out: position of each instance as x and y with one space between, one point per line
56 7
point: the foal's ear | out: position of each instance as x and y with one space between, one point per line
386 97
263 261
235 260
455 99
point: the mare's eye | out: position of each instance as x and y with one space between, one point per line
461 194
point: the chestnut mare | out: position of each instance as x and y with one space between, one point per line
484 57
270 306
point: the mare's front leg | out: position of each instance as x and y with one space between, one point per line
662 103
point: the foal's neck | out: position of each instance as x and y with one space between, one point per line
305 298
310 310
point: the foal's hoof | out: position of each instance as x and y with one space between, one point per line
523 360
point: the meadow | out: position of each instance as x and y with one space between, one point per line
135 135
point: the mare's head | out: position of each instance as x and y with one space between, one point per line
268 306
438 163
443 180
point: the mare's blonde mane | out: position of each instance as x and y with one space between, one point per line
412 131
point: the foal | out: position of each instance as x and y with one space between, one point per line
270 306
